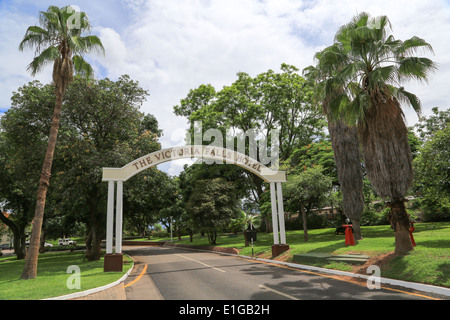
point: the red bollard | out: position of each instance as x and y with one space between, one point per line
349 239
411 235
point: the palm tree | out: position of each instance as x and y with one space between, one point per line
247 220
366 89
344 140
59 40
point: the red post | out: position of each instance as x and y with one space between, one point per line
349 239
411 235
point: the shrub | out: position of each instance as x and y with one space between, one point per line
435 213
375 218
161 234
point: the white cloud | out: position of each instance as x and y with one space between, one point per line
13 73
115 49
173 46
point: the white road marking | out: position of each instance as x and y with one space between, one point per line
281 293
207 265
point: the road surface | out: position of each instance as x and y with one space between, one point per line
167 273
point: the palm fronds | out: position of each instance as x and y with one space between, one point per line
61 35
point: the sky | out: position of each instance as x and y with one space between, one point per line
173 46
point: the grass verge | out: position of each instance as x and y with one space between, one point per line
52 276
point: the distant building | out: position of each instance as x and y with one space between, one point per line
5 239
328 212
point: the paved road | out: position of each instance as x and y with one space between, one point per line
179 274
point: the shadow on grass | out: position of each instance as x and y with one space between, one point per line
330 248
444 270
434 243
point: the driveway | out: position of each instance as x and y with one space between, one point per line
181 274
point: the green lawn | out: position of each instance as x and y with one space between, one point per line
429 263
52 276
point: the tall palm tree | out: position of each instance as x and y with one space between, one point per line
59 40
344 140
366 88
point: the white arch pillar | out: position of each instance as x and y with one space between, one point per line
279 231
281 213
276 199
114 261
119 215
273 200
110 218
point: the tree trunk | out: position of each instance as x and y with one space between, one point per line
18 230
30 267
305 225
93 246
20 247
356 229
268 224
42 241
400 223
344 140
388 161
212 236
245 238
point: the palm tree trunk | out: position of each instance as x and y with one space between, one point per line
30 267
388 161
344 140
400 223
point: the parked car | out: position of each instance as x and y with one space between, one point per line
66 242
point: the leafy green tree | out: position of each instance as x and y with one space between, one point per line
414 142
318 153
371 64
432 179
268 101
150 197
212 205
62 43
25 129
101 127
23 133
305 191
428 126
195 100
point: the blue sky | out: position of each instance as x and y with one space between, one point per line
172 46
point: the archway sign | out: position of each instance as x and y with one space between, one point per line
117 176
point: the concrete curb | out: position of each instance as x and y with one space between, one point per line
93 290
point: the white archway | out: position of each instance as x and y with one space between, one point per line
117 176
